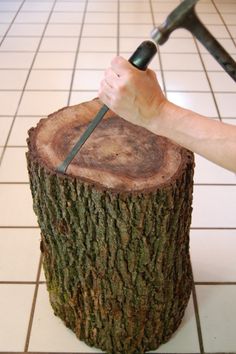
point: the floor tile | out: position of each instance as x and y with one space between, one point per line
229 18
66 17
232 30
226 104
32 17
102 6
181 33
161 6
56 336
135 18
58 44
15 306
42 103
218 327
87 79
15 265
54 61
64 30
13 166
185 339
86 60
16 44
226 8
16 214
90 30
199 102
16 60
9 101
213 255
221 82
22 29
210 173
205 7
160 17
49 80
37 6
9 5
82 96
213 206
210 19
186 81
181 62
142 6
134 30
101 18
3 28
179 45
12 79
6 17
98 44
69 6
20 128
218 31
5 124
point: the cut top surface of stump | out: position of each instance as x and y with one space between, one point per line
118 155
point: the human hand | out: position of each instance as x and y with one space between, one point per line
131 93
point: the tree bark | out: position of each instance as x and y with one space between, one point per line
115 229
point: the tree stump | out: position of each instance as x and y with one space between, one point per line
115 228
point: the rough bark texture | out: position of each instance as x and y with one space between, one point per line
116 262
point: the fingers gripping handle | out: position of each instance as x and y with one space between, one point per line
140 59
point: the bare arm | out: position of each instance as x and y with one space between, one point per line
136 96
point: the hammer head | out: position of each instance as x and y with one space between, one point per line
174 20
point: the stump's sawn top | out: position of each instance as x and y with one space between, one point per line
118 155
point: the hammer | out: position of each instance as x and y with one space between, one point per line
184 16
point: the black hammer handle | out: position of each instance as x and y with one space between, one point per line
140 59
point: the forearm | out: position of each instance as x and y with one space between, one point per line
214 140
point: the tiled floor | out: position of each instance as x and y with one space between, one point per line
53 53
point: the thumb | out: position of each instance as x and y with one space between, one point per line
120 65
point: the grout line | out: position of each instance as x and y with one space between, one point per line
198 322
21 282
15 183
33 306
100 23
77 52
26 81
94 51
18 227
109 11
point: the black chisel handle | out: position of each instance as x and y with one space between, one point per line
140 59
143 55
